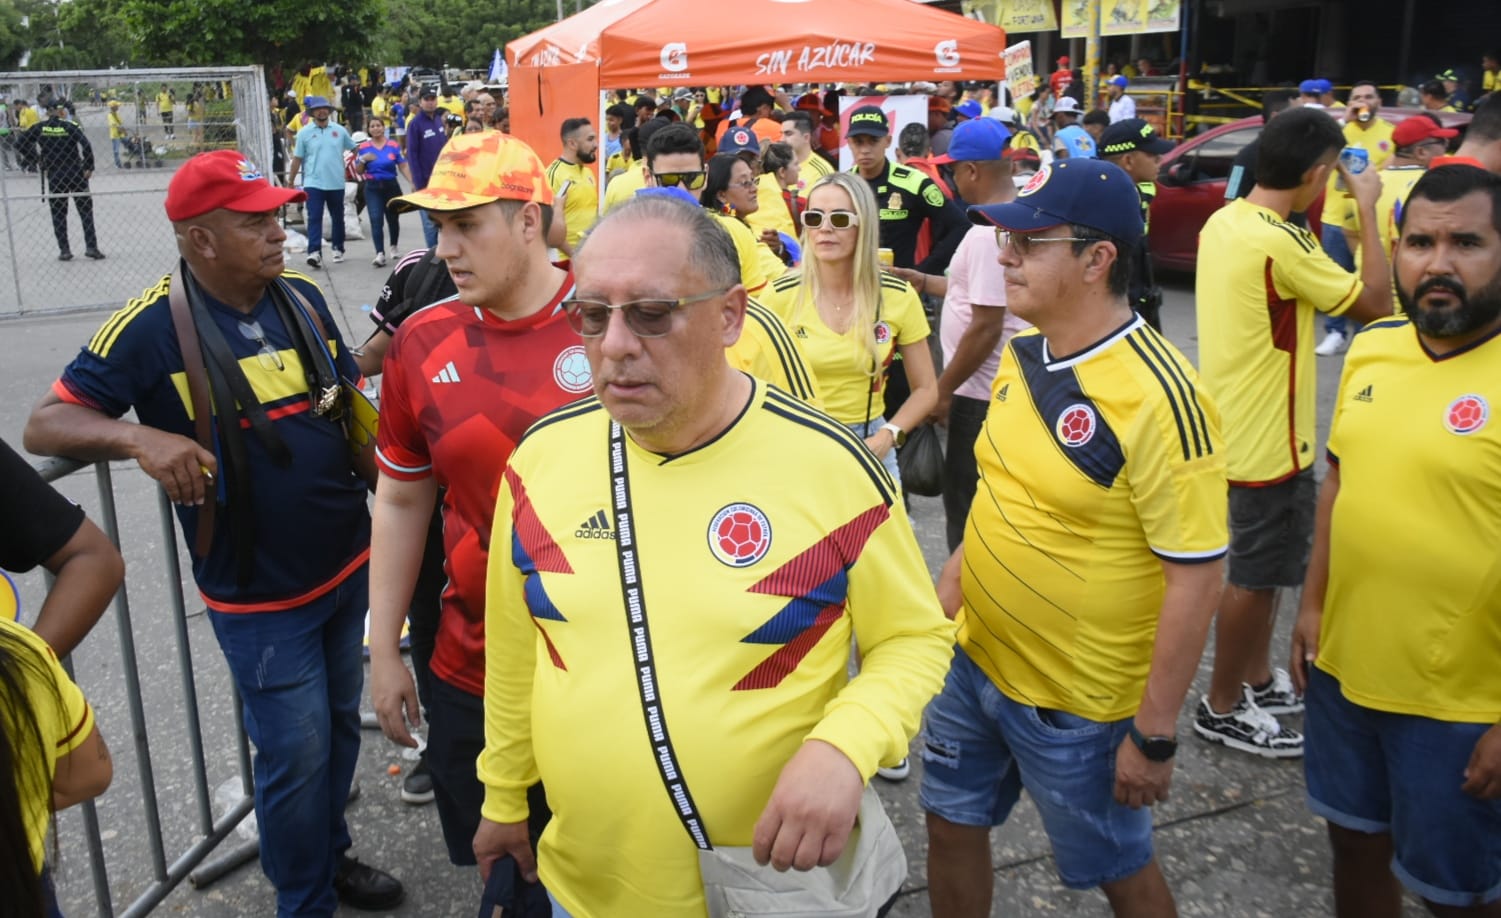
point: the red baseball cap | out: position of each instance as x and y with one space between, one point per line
223 179
1418 129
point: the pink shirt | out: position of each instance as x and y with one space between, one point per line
975 276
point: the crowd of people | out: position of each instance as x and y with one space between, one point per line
638 487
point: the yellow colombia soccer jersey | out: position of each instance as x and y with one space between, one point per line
1396 185
752 268
761 554
1094 469
771 210
1259 282
809 172
767 351
581 207
841 362
1376 140
624 186
1412 616
63 717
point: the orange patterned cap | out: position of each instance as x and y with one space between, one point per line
476 169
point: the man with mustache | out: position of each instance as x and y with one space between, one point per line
1399 633
1259 283
572 180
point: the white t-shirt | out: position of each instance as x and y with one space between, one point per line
975 276
1122 108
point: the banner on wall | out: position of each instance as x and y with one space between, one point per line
900 111
1013 15
1122 17
1021 79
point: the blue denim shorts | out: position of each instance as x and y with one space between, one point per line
980 749
1375 772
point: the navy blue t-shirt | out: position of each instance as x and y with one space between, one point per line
311 522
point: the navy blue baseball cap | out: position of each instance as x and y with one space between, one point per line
981 140
740 140
1086 192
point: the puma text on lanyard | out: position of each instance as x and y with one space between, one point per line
646 666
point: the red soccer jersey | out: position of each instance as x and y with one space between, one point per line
461 387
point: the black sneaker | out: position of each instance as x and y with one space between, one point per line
365 888
417 786
64 256
1278 695
1248 728
93 253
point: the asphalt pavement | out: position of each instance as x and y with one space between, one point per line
1235 839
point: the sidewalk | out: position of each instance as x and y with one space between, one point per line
1235 839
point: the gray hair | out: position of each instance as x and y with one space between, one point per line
711 251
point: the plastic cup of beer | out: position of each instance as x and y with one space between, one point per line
888 258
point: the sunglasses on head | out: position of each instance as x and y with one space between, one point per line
693 181
838 219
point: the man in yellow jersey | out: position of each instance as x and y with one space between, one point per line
1398 638
1417 141
1365 129
1258 288
572 180
1082 615
117 133
166 100
797 133
621 519
1433 98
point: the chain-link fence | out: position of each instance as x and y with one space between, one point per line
135 127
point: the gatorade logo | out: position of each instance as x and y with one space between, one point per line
947 53
674 57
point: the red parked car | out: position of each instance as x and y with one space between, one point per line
1191 185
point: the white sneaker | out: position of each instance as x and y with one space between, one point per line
1278 695
1248 728
315 260
380 260
338 257
1333 343
897 772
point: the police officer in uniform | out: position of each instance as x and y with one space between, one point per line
1135 147
67 161
906 196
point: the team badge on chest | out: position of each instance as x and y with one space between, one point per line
739 535
1467 414
883 332
571 370
1076 425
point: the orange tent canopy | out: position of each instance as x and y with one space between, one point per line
795 41
570 41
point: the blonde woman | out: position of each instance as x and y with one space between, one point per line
852 318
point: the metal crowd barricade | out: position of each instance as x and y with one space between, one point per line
193 863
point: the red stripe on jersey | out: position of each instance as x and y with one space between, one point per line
301 599
536 541
1284 318
61 390
771 671
275 414
815 565
552 651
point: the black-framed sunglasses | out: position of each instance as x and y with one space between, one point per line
838 219
693 181
645 318
270 358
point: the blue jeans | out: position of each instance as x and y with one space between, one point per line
1399 774
867 428
429 229
317 199
378 195
115 143
300 674
980 748
1338 248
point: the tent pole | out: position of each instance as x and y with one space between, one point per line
600 163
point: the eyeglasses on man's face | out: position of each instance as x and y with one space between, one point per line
645 318
1022 243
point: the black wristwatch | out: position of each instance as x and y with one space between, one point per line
1155 748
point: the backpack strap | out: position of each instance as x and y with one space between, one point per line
203 424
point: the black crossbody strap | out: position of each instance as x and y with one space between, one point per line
641 649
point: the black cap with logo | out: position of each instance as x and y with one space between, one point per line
868 121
